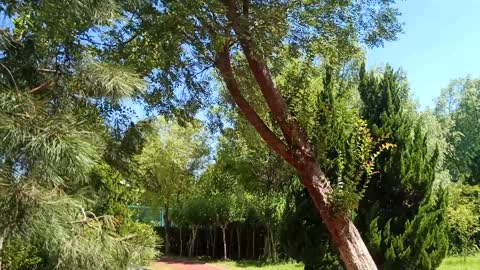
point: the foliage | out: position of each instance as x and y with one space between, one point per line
458 110
115 192
17 255
403 212
170 157
53 138
464 219
310 243
197 35
422 245
347 153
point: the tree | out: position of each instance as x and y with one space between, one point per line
196 210
458 110
169 159
185 39
403 212
173 43
51 129
464 217
347 152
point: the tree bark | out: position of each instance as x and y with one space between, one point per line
266 246
274 241
167 230
207 247
295 148
247 243
192 243
345 236
238 241
253 244
214 246
230 244
181 242
224 228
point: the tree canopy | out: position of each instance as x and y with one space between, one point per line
258 118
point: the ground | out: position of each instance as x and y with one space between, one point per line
182 264
452 263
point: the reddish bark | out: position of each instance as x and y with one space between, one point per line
296 149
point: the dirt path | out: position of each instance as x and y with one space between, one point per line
184 265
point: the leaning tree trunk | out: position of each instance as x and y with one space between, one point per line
294 147
224 228
345 235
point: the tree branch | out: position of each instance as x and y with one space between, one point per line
223 64
41 87
293 133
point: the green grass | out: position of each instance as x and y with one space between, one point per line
252 265
459 263
451 263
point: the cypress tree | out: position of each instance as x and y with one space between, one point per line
402 215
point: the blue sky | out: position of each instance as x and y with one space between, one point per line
441 41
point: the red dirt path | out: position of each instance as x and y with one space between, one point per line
188 265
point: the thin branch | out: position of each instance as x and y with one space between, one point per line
41 87
11 75
47 70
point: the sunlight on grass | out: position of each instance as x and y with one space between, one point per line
459 263
232 265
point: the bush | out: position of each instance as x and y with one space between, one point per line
20 255
143 238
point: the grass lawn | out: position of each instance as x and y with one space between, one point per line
251 265
451 263
458 263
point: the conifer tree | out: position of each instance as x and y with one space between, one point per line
402 215
53 101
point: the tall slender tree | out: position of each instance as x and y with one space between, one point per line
168 162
